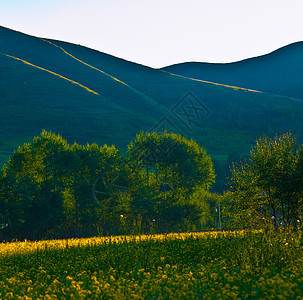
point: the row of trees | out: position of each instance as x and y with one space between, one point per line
49 188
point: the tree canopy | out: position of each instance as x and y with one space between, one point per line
269 185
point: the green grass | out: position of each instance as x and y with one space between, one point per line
231 265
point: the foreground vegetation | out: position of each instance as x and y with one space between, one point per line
217 265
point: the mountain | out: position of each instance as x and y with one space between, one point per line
279 72
89 96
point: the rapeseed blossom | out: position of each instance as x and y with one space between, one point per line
215 265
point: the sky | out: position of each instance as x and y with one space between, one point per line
159 33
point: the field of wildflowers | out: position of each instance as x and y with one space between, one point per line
215 265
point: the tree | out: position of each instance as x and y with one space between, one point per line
268 186
181 161
48 186
96 170
202 201
165 169
35 177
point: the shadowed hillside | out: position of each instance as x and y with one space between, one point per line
89 96
280 72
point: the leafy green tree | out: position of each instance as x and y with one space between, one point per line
35 176
200 199
48 186
181 161
268 186
15 197
98 169
167 167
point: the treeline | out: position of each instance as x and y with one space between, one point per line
49 189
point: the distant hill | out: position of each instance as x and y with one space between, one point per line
89 96
279 72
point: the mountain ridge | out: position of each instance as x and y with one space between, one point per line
276 51
272 72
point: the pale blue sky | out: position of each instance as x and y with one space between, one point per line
162 32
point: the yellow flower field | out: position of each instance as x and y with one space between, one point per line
216 265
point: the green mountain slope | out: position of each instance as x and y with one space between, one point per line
89 96
32 99
41 53
279 72
250 113
36 75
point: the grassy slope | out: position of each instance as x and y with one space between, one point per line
39 52
279 72
237 116
29 103
131 97
33 99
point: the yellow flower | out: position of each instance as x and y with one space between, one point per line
9 295
69 278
